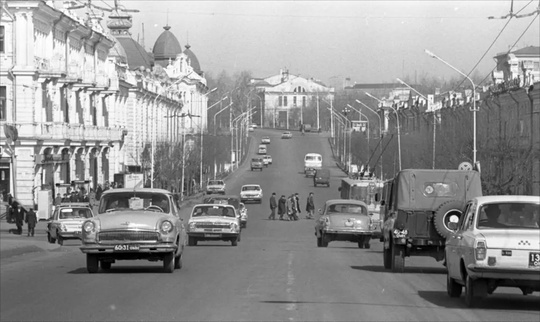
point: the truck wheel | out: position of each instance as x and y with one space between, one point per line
387 258
452 287
92 263
443 214
398 258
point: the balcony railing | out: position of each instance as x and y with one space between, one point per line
61 131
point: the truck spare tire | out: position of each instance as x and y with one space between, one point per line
443 216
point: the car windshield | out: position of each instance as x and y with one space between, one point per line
215 182
75 213
250 188
312 158
202 211
134 201
233 201
510 215
347 208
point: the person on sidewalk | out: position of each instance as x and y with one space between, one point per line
291 208
297 205
31 220
18 215
273 206
310 206
282 207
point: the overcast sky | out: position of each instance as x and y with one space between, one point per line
366 41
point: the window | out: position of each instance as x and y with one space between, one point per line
294 100
3 107
285 101
2 39
280 101
303 101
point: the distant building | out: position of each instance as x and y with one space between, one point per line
522 64
291 100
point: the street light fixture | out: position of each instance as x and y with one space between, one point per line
380 133
474 109
398 130
345 122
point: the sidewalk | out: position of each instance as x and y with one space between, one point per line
13 244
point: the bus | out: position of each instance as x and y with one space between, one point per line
368 191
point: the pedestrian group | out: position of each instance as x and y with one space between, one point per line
288 208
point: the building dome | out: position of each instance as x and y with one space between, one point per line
193 61
134 53
166 47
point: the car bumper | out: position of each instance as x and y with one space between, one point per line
70 234
476 271
213 235
143 248
348 232
243 199
209 192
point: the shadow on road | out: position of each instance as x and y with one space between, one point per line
408 270
514 302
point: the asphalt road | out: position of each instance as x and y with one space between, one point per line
275 273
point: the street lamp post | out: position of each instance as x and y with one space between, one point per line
380 134
223 109
398 130
474 109
434 119
345 123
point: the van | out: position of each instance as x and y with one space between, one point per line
312 162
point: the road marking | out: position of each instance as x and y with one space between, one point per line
290 281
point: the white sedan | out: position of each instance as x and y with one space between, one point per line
496 243
265 140
251 192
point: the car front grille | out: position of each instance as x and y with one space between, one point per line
212 225
128 236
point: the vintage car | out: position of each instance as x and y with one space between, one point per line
257 163
134 224
213 222
66 221
286 135
312 162
267 159
262 149
343 220
233 200
251 192
265 140
321 176
215 186
495 244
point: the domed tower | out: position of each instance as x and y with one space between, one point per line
166 47
130 50
192 60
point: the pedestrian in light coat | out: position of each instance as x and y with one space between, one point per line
31 220
273 206
291 208
282 207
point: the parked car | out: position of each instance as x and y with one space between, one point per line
134 224
215 186
344 220
268 159
257 163
251 192
265 140
233 200
286 135
321 176
418 210
66 222
262 149
495 244
213 222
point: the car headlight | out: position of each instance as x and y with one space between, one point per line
234 226
166 226
191 225
88 226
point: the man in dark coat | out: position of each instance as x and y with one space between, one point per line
18 216
297 199
31 220
282 207
310 206
273 206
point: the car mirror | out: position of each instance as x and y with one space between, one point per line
453 226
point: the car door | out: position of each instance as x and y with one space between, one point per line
453 244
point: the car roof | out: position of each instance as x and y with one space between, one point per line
345 201
74 205
507 198
251 185
219 196
119 190
213 205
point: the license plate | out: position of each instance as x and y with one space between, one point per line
126 248
534 260
212 235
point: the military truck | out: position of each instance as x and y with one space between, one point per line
417 206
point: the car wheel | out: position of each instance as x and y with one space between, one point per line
360 244
367 245
168 262
238 237
251 169
324 240
314 184
92 263
105 265
244 225
452 287
474 291
192 241
387 258
178 261
319 241
50 239
328 185
234 241
398 258
60 239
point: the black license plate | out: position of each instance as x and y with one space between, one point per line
534 260
126 248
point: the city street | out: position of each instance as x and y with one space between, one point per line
276 273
